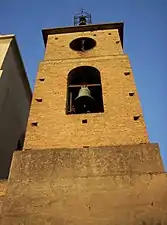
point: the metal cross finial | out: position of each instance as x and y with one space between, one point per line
82 10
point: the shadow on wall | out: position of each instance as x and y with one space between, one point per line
6 157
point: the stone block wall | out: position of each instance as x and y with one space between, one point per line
87 186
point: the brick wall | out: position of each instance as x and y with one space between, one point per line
113 127
2 194
107 43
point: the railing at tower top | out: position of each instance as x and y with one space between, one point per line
82 18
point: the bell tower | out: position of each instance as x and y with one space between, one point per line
87 158
85 93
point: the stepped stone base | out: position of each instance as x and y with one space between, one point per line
2 192
123 185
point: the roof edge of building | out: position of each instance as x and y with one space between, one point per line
90 27
24 77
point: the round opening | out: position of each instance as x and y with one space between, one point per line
82 44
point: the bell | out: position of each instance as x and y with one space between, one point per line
84 101
82 20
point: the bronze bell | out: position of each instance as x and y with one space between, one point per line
82 20
84 101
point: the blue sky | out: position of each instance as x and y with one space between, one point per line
144 41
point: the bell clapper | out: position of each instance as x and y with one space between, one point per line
83 45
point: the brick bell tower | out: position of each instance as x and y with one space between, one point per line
87 158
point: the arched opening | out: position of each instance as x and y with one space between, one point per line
84 91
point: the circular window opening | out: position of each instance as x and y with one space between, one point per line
82 44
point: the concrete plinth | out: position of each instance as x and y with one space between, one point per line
99 186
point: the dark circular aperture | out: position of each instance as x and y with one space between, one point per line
82 44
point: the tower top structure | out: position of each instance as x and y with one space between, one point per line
82 18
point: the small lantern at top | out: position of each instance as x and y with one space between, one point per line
82 18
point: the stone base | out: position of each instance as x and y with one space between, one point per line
2 192
87 186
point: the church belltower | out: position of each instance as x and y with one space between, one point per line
87 159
